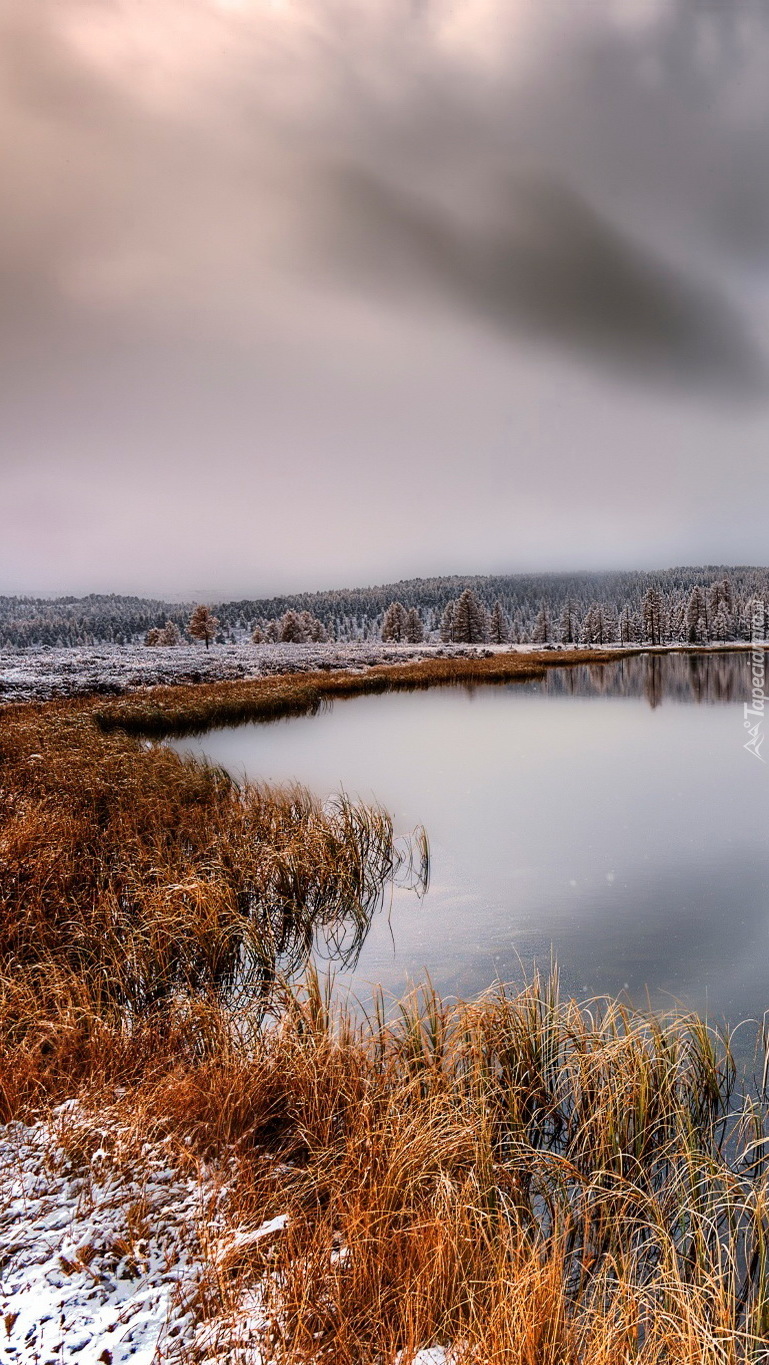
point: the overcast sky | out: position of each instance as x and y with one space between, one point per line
313 293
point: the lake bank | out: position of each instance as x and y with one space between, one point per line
43 674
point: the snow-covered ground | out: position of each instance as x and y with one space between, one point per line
41 673
103 1253
101 1258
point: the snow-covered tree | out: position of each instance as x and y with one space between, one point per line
541 633
415 631
519 631
394 623
756 619
499 627
470 623
447 623
203 625
721 626
291 629
594 625
626 626
569 625
696 616
651 611
170 634
257 636
313 628
152 638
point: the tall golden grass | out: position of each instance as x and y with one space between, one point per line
530 1181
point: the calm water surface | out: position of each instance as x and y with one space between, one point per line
607 818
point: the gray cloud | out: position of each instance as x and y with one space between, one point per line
554 269
252 255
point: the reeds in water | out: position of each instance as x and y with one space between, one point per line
149 874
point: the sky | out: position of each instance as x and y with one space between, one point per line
319 293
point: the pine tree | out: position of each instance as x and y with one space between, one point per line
756 619
203 625
518 631
170 634
394 623
568 623
470 624
499 628
447 623
415 631
721 624
651 612
610 625
291 629
313 628
626 626
541 632
696 616
152 638
594 626
257 636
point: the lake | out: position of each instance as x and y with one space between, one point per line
607 818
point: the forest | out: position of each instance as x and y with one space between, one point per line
689 604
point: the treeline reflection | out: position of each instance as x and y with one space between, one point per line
700 678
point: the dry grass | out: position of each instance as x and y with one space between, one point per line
534 1182
185 710
192 709
146 874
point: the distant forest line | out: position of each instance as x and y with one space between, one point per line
705 602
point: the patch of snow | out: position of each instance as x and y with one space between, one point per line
430 1355
101 1262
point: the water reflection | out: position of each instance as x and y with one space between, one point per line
593 816
711 678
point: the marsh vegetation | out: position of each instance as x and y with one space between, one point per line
526 1179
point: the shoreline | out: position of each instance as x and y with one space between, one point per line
42 674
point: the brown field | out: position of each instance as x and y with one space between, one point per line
536 1182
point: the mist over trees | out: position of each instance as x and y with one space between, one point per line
686 605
